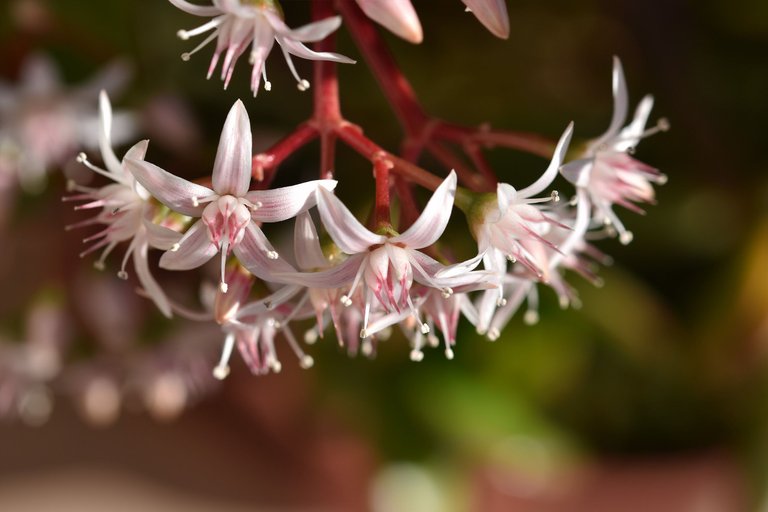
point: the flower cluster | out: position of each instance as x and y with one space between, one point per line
363 282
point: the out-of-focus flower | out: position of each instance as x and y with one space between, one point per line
607 171
259 23
43 125
229 214
125 211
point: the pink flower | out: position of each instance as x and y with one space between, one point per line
43 124
239 23
386 266
229 214
125 211
607 171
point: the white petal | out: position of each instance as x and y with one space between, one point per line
306 244
631 134
492 14
398 16
433 220
432 273
176 193
578 171
195 249
161 237
138 151
337 277
345 230
232 169
105 136
309 33
506 195
147 281
197 10
546 179
620 105
275 299
284 203
252 251
298 49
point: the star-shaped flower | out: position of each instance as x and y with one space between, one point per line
229 213
259 23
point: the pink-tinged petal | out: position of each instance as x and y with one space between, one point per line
506 195
232 169
461 268
39 76
620 105
337 277
306 244
197 10
546 179
398 16
138 151
277 298
105 136
578 171
147 281
176 193
580 227
298 49
432 273
285 203
492 14
310 33
161 237
194 249
433 220
253 253
345 230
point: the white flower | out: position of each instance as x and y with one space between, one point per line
125 211
386 266
259 23
607 171
229 214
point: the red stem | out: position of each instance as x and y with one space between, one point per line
265 164
382 211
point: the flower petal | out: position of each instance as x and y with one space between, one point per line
284 203
337 277
298 49
546 179
631 134
232 169
351 236
306 244
197 10
252 251
578 171
620 105
398 16
433 220
161 237
176 193
309 33
146 279
492 14
105 136
195 249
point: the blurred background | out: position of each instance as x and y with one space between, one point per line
651 396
